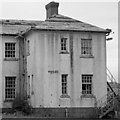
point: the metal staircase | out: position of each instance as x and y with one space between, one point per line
109 102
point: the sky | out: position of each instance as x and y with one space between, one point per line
101 13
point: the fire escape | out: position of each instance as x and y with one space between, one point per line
110 101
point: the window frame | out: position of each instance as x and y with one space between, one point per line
10 87
64 45
88 84
64 84
86 46
8 54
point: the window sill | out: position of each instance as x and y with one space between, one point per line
86 56
9 100
88 96
11 59
65 96
64 52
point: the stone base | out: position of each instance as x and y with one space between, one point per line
61 112
66 112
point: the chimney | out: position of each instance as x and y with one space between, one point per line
51 9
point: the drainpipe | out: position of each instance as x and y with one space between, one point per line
25 70
23 61
107 34
22 67
66 112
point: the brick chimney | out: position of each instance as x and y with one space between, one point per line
51 9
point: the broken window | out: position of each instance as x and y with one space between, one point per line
64 44
87 84
64 84
9 50
86 46
10 84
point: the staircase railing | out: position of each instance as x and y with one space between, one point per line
110 77
111 82
108 102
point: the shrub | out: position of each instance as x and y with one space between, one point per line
21 104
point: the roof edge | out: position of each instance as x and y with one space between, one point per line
107 31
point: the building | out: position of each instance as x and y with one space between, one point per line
59 63
0 70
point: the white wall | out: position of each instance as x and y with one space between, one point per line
95 65
45 56
10 68
1 71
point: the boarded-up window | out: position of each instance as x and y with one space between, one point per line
87 84
86 46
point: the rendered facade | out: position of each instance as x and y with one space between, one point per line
57 63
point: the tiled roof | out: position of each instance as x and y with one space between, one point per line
70 26
56 22
61 18
13 27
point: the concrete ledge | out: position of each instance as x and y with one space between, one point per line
71 112
29 118
66 112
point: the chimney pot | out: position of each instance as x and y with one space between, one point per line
51 9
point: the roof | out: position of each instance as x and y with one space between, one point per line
69 26
56 22
13 27
61 18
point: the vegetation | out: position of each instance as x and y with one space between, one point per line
22 104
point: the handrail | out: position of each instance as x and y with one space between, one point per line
112 83
111 88
104 99
110 76
106 106
107 102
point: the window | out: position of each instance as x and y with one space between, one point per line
86 46
87 84
28 47
28 86
9 50
10 88
64 44
64 84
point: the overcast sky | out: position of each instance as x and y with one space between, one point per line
102 13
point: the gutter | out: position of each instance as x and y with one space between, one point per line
52 29
107 34
33 27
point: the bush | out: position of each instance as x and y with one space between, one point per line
21 104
